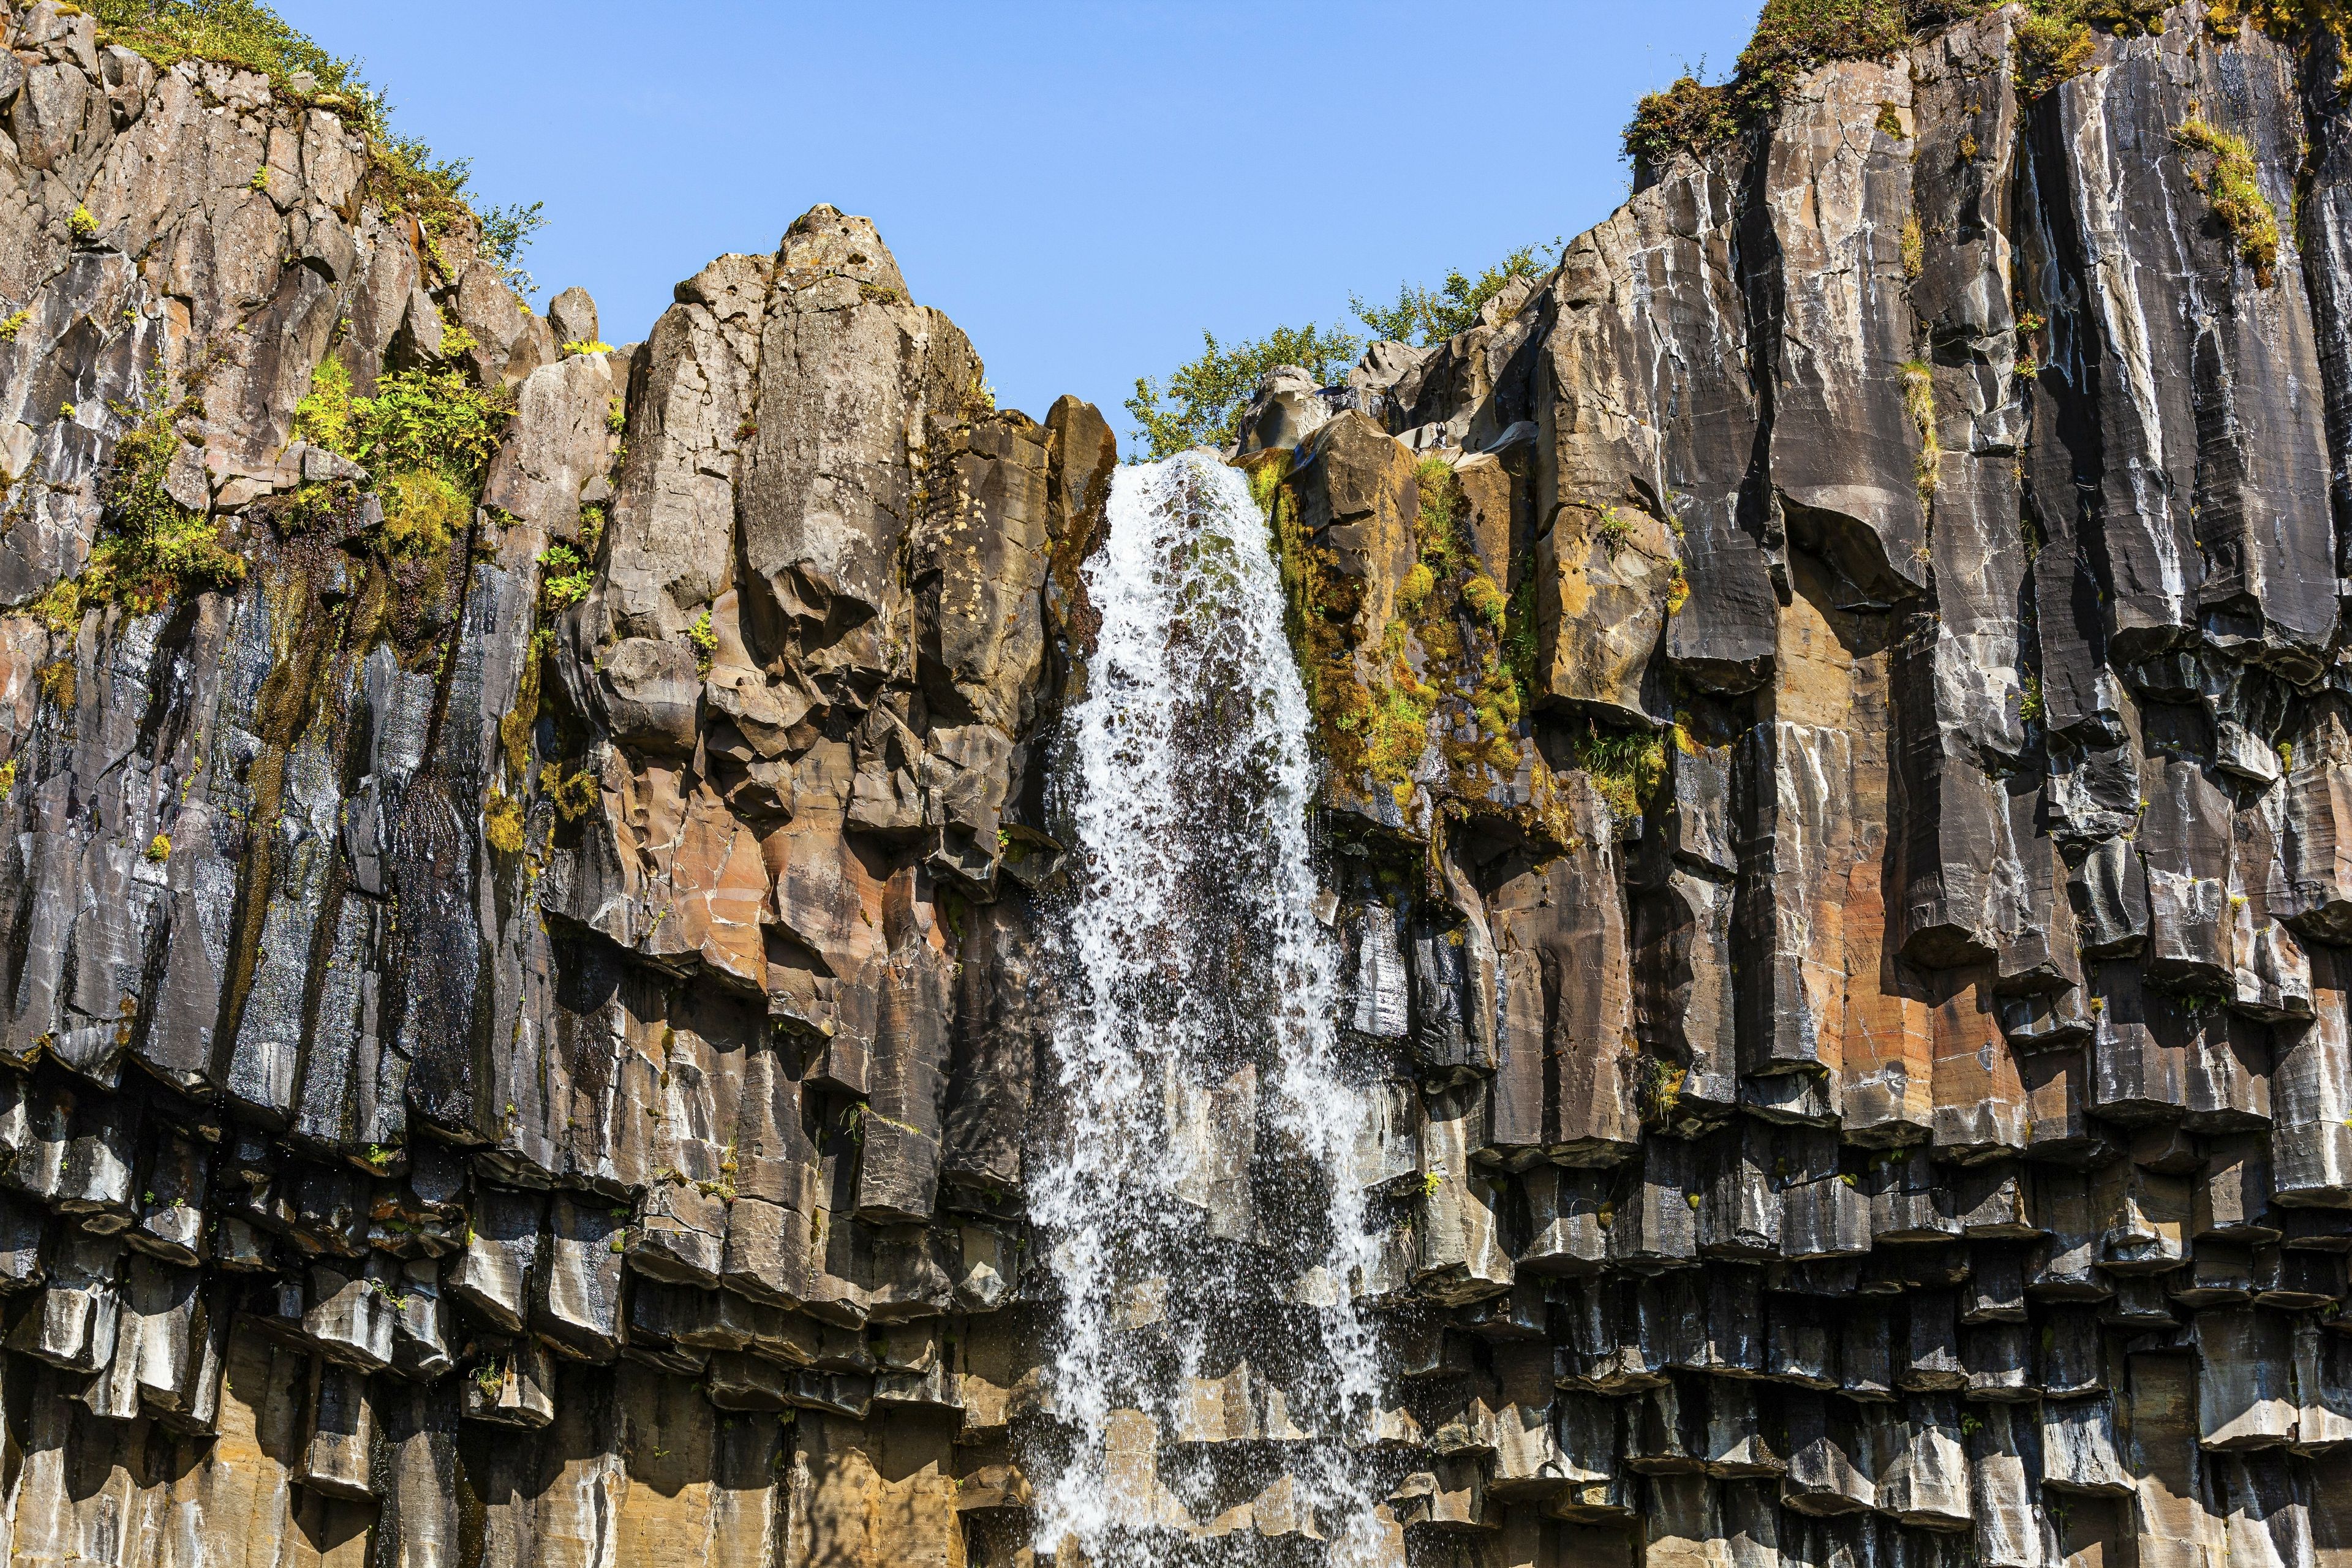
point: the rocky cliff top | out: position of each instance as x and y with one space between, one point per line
525 915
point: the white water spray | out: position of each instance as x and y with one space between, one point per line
1202 1215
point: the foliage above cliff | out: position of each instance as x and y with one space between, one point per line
403 175
1201 402
1794 36
1425 316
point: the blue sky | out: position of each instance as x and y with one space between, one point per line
1083 188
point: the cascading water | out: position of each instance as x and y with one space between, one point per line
1213 1374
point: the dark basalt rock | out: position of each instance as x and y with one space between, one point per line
1854 975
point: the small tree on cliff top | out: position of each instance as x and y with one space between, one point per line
1201 402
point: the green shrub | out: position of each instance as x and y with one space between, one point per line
14 324
563 579
1919 402
705 640
598 347
427 437
1626 766
1201 404
1425 316
82 224
324 416
1795 36
1690 115
429 419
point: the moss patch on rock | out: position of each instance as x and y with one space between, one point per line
151 549
2054 41
1436 698
2228 176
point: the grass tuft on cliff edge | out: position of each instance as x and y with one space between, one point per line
1794 36
404 175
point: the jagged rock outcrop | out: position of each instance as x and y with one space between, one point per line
524 1042
1899 1033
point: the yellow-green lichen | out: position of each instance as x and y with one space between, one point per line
502 823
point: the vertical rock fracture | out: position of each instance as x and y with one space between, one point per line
1708 925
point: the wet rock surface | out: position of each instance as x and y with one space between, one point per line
1840 813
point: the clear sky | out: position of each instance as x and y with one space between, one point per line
1083 188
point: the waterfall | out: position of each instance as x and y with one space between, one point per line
1200 1211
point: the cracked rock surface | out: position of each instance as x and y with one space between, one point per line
1844 861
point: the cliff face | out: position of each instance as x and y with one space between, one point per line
522 1042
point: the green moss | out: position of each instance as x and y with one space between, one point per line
2233 185
2302 21
1485 600
7 779
2050 48
1915 250
1436 526
423 511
